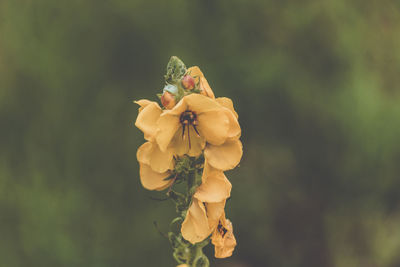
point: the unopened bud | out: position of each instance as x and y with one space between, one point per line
188 82
168 100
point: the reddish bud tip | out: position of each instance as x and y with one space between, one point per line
168 100
188 82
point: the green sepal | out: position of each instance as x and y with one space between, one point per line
176 69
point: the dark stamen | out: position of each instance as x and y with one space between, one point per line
195 128
189 136
183 131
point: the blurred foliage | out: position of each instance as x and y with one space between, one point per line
316 86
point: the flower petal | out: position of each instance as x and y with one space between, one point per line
198 76
142 103
149 153
214 126
167 124
223 238
147 118
215 187
234 131
205 88
195 226
152 180
214 213
227 102
200 103
180 142
225 156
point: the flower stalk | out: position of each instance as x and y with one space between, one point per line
192 140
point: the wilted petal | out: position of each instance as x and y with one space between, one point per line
195 226
214 213
147 118
224 157
152 180
223 238
215 186
214 126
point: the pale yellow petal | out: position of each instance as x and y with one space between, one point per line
180 142
167 124
214 126
224 157
227 103
234 131
215 188
200 103
147 120
195 226
149 153
143 103
143 153
152 180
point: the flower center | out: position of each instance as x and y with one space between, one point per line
187 119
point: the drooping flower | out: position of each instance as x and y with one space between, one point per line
195 120
207 205
223 239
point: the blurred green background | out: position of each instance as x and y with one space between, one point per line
316 86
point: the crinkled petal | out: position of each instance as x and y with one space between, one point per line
147 119
227 102
223 238
195 226
152 180
167 124
214 213
215 186
224 157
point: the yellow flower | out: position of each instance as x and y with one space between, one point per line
195 120
198 75
223 238
207 205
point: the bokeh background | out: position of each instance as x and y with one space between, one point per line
316 86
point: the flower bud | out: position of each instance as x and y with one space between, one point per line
168 100
188 82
